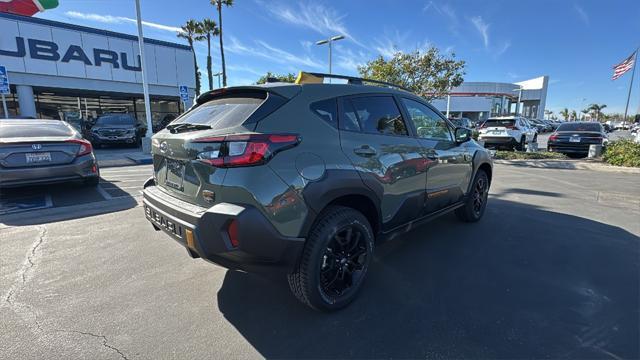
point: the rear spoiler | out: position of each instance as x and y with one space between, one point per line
286 92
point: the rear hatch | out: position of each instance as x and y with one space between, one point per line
27 143
498 127
182 152
579 133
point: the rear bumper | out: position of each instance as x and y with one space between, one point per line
569 148
498 141
81 168
261 247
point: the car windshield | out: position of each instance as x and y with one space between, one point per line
221 113
579 127
115 120
499 122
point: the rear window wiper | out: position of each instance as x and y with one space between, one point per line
176 128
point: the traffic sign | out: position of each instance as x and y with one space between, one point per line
184 93
4 81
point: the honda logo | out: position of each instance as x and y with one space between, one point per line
36 146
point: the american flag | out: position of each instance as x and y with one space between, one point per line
624 66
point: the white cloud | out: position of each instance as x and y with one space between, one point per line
349 60
389 44
582 14
483 29
505 47
267 51
313 16
246 69
109 19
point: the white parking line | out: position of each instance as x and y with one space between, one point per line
104 193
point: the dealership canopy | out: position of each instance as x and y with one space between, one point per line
26 7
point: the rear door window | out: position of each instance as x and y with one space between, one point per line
374 115
222 113
500 123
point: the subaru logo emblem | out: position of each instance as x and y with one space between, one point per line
36 146
163 147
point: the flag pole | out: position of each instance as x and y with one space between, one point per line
633 72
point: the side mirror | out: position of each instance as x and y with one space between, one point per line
462 135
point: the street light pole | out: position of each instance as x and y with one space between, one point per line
519 90
218 76
329 41
146 144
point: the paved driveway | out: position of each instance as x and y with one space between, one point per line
552 271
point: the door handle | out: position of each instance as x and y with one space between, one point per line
365 150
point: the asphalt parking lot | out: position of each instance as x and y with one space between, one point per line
552 271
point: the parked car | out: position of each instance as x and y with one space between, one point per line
306 179
44 151
574 138
511 132
117 129
541 126
462 122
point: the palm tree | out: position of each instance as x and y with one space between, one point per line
574 115
597 109
584 113
565 113
218 4
190 32
208 28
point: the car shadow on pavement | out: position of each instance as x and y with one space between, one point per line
522 283
59 202
532 192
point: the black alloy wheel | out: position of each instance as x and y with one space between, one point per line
343 262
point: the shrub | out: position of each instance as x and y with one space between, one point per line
622 153
521 155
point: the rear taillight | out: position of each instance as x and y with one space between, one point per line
553 137
246 150
85 146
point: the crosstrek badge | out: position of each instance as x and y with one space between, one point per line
26 7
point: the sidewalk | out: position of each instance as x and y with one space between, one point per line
597 165
112 157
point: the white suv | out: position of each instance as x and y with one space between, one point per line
512 132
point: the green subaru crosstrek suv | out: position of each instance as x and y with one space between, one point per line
308 178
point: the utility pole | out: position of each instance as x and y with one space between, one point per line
146 144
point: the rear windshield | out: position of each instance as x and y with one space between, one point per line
499 122
26 129
579 127
116 120
222 113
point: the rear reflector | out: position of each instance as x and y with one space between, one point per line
246 149
232 230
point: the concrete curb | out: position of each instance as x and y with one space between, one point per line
568 165
115 163
140 159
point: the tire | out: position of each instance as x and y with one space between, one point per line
475 205
311 281
92 181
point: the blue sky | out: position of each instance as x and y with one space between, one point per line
574 42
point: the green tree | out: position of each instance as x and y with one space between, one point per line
289 78
207 29
429 74
564 113
574 115
191 32
218 4
597 109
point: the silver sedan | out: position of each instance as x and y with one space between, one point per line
44 151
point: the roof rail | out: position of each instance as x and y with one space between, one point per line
318 78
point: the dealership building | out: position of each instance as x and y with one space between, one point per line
76 73
481 100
